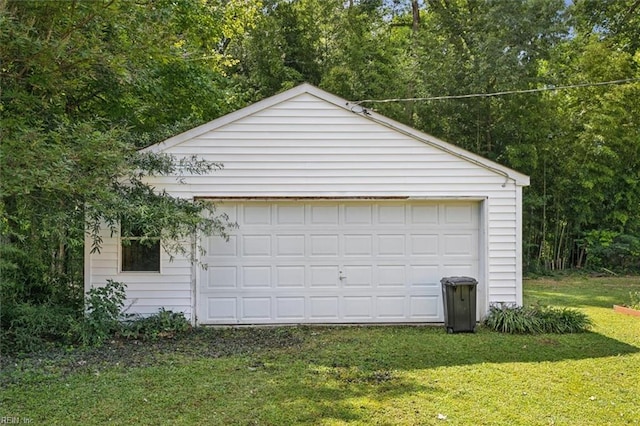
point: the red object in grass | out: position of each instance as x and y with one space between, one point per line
625 310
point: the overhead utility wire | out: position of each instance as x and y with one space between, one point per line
508 92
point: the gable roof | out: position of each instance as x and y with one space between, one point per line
305 88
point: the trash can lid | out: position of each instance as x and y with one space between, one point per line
454 281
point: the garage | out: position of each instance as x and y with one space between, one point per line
337 261
343 216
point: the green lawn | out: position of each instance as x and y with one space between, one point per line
357 375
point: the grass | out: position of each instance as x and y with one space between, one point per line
351 375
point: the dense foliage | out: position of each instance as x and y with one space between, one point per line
86 83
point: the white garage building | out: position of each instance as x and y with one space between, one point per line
344 216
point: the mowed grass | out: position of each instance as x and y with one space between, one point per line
351 375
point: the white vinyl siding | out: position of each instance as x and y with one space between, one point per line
331 152
306 145
147 292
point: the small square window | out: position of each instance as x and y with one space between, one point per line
138 254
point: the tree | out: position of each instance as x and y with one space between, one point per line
83 85
468 47
592 184
369 57
287 46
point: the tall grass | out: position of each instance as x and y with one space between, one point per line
536 319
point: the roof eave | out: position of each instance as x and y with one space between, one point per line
229 118
519 178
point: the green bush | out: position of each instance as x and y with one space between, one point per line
29 327
103 313
513 319
562 320
612 250
634 300
536 319
164 324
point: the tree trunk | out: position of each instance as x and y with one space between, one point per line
415 10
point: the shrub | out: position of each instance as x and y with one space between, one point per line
536 319
611 249
29 327
562 320
164 324
103 312
513 319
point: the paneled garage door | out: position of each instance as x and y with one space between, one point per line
336 261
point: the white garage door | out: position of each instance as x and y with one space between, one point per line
336 261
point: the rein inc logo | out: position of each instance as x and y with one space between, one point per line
14 420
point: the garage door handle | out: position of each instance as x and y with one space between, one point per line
342 277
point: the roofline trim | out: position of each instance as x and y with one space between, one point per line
509 174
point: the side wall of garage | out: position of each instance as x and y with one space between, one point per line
147 292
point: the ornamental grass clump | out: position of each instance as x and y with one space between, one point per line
563 320
513 319
536 319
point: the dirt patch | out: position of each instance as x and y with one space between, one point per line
123 353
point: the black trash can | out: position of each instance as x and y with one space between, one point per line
459 297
